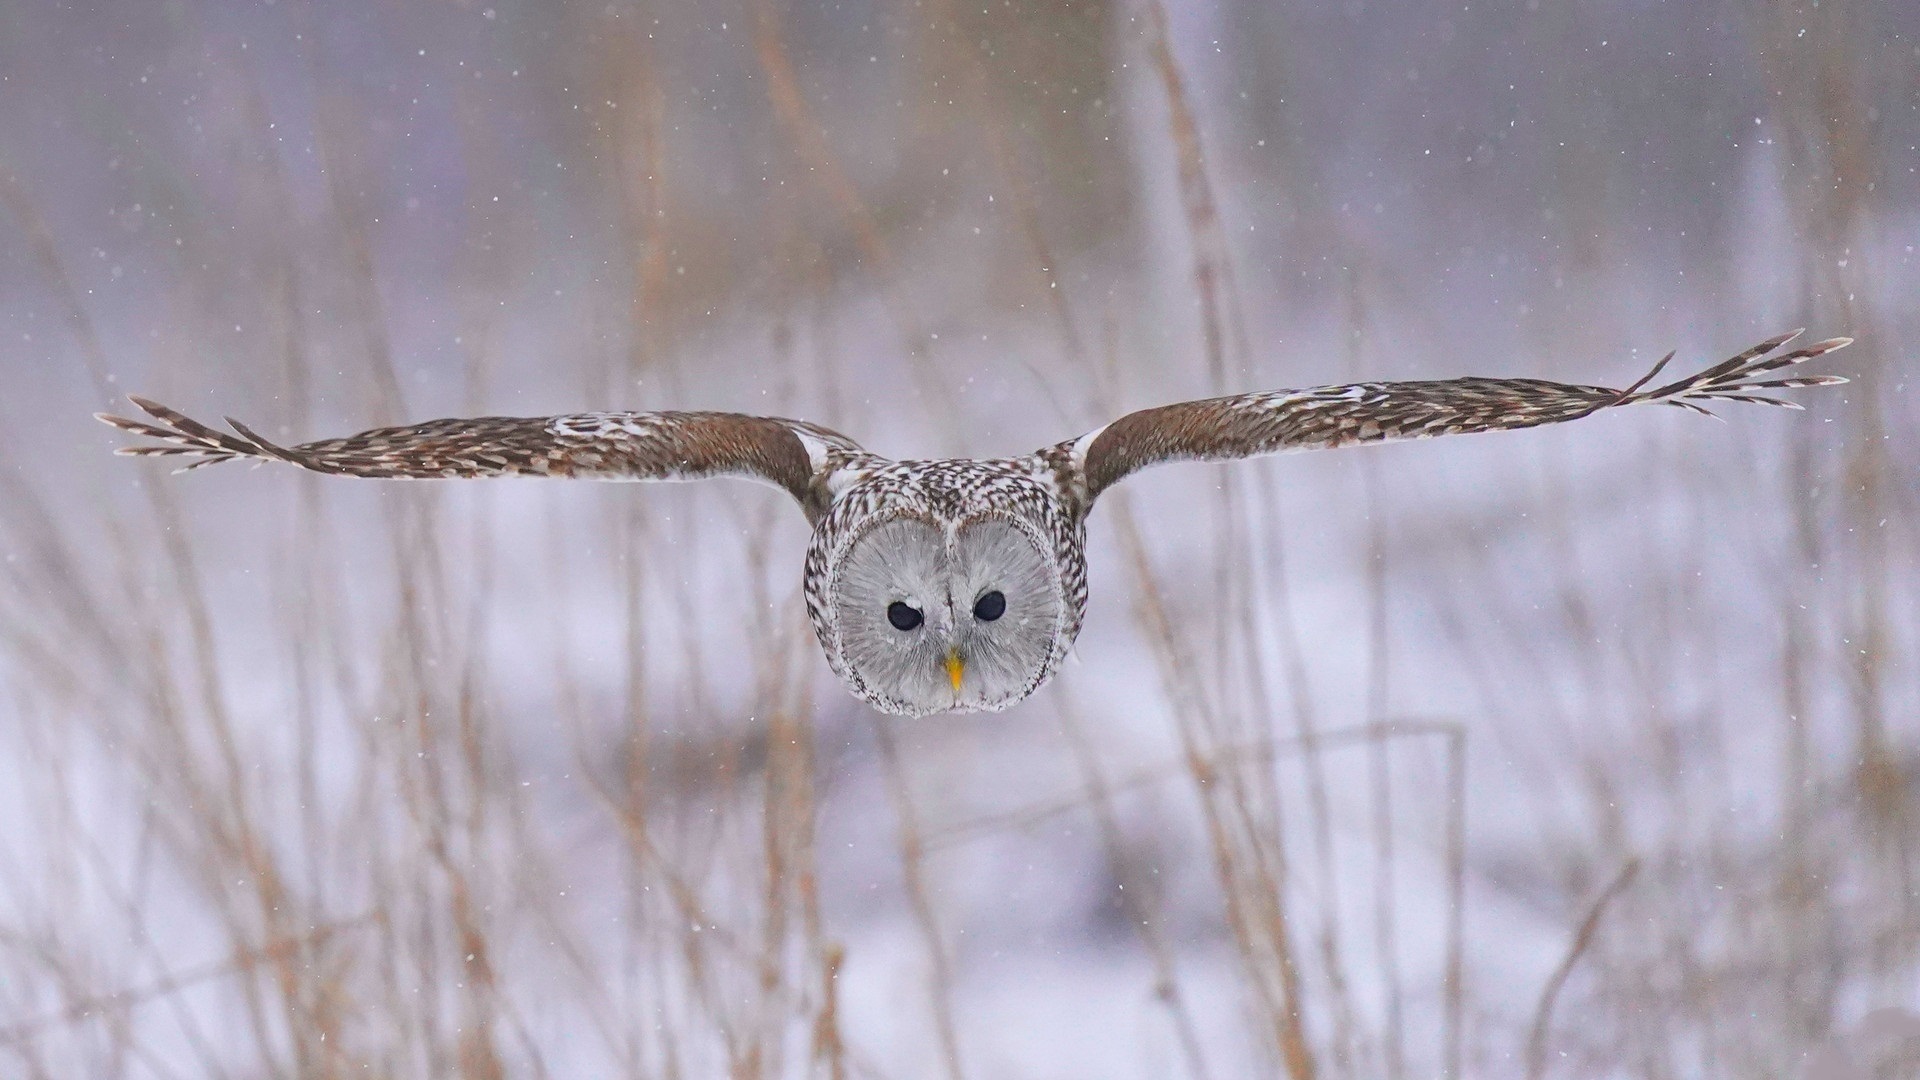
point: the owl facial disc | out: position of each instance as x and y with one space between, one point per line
932 616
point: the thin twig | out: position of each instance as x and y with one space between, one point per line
244 960
1543 1014
913 873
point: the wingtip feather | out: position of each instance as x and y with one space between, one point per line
266 448
121 423
150 407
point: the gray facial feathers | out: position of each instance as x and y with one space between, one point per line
1004 656
901 561
940 572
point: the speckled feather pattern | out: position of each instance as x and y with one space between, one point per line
1248 425
845 490
791 454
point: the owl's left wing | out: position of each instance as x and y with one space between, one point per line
803 459
1249 425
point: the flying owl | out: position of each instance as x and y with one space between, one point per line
956 584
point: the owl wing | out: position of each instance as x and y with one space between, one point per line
805 459
1247 425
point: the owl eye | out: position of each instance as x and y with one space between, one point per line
904 618
990 607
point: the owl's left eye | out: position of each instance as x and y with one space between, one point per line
990 607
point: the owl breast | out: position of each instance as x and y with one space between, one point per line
941 586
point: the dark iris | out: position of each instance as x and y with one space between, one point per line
904 618
990 607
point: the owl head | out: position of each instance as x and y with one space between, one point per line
930 614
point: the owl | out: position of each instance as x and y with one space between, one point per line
956 584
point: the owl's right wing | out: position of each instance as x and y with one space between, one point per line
1279 421
806 460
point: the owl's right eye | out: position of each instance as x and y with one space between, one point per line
904 618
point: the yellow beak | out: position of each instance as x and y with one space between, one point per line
956 667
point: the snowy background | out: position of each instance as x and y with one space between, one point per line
1587 751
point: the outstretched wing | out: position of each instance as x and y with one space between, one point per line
1247 425
804 459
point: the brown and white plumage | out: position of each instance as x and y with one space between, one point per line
984 558
790 454
1279 421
